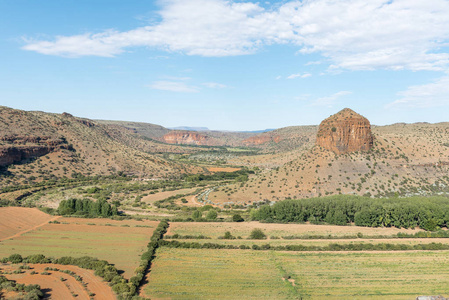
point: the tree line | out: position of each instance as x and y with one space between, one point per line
87 207
429 213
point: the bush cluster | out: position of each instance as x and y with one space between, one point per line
26 292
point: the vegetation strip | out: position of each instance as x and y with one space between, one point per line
148 256
330 247
399 235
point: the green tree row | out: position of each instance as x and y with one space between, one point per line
87 207
429 213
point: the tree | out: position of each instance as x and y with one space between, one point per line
228 236
197 215
211 215
257 234
237 218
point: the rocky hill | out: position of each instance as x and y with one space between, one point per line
405 159
37 146
344 132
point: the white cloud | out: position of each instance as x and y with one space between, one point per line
293 76
214 85
173 86
351 34
426 95
330 100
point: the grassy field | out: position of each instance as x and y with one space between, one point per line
387 275
118 242
216 274
232 274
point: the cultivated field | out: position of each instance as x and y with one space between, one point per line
243 229
247 274
216 274
386 275
119 242
59 285
17 220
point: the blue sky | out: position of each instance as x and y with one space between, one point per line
233 65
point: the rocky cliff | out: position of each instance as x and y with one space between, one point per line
344 132
187 137
261 139
18 148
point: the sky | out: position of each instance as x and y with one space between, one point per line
227 65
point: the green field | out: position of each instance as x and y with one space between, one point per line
246 274
119 242
213 274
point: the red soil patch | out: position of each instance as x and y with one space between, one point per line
55 288
15 221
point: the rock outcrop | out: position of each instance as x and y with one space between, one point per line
261 139
187 137
345 132
19 148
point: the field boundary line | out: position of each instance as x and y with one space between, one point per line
29 229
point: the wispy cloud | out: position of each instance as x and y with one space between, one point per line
354 35
311 63
214 85
329 101
423 96
299 75
173 86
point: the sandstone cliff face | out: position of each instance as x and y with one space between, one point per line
19 148
345 132
187 137
261 139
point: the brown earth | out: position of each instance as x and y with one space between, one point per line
15 221
345 132
55 288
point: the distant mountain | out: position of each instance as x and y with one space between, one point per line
190 128
259 131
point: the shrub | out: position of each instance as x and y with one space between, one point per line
196 215
211 215
15 258
257 234
237 218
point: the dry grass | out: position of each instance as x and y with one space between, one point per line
243 229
